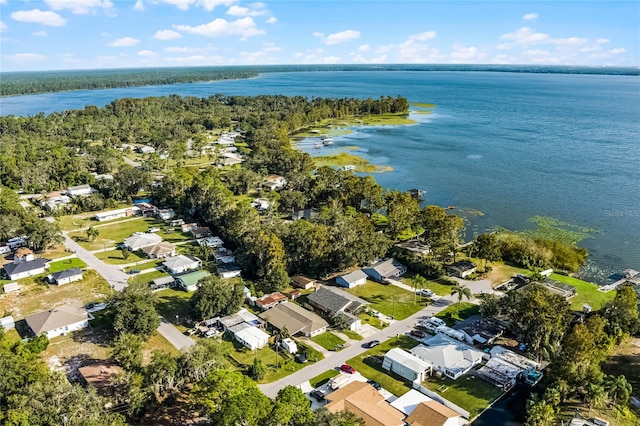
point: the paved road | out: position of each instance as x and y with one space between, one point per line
173 335
335 359
115 277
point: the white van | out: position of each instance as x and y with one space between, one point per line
437 321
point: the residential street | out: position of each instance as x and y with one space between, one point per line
174 336
335 359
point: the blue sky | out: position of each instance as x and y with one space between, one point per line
86 34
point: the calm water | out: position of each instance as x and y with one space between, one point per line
509 145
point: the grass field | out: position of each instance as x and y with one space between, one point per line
175 302
586 293
61 265
157 342
84 220
389 299
346 159
328 340
147 278
323 378
146 265
369 364
437 287
114 257
111 235
352 335
471 393
625 359
373 321
37 296
451 315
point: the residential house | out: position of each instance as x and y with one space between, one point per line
65 277
176 222
331 300
146 149
23 254
268 301
409 401
200 232
229 270
275 182
7 323
59 321
261 204
406 365
224 256
162 283
461 268
366 402
214 242
140 240
296 319
303 282
415 246
80 191
251 337
448 356
432 413
166 215
352 279
181 263
116 214
4 250
483 331
101 377
161 250
500 373
187 227
104 176
54 201
189 281
385 269
16 271
306 214
240 317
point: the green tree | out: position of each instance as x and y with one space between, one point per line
622 313
540 413
42 234
125 253
291 407
127 351
489 305
618 388
340 418
595 395
205 251
488 248
162 372
92 233
134 310
258 369
206 356
460 291
419 282
130 390
216 297
402 212
229 398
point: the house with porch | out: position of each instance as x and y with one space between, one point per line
448 356
140 240
181 263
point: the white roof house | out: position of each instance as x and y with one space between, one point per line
448 356
250 336
115 214
406 365
408 402
274 182
80 191
137 241
211 242
352 279
500 372
181 263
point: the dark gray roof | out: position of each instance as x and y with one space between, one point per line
20 267
333 299
66 274
462 265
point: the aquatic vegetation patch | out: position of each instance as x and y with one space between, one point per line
554 229
345 159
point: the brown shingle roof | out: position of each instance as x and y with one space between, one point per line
23 251
431 413
100 376
365 402
163 247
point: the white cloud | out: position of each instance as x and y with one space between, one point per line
182 49
384 48
272 20
39 34
3 26
79 7
245 11
503 46
427 35
139 6
530 16
379 59
195 59
3 1
205 4
526 36
363 48
341 37
27 57
180 4
618 50
245 27
167 35
124 42
462 54
298 55
48 18
317 34
146 53
416 49
330 60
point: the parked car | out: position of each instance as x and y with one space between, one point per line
425 292
374 313
372 344
154 229
134 272
347 368
318 395
417 333
375 384
300 358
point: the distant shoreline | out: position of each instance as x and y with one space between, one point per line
21 83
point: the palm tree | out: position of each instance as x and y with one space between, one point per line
205 251
595 395
461 291
92 233
618 388
418 284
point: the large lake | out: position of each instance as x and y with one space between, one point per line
510 145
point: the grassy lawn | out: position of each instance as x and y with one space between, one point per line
84 220
352 335
173 236
471 393
114 257
625 360
501 272
439 288
328 340
145 265
174 302
157 342
586 293
409 233
61 265
346 159
37 296
451 314
323 378
189 249
111 235
78 348
388 299
147 278
56 251
375 322
369 364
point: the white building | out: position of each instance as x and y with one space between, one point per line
161 250
146 149
181 263
406 365
116 214
289 345
16 271
352 279
448 356
80 191
65 277
7 323
250 336
59 321
140 240
274 182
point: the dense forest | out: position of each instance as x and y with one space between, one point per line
23 83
